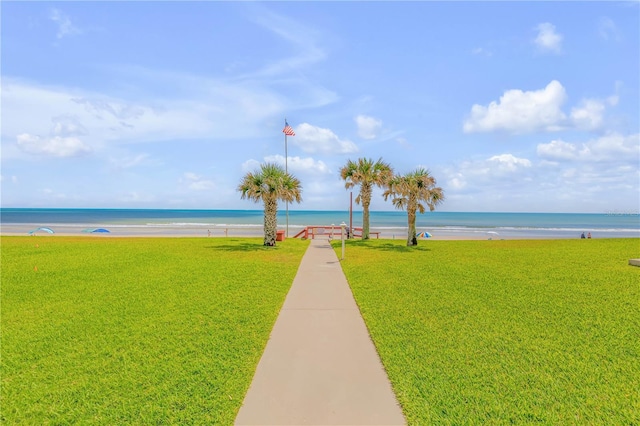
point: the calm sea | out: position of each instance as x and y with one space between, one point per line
554 225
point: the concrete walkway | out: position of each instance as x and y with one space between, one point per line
320 366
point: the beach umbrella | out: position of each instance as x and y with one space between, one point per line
424 234
42 228
96 230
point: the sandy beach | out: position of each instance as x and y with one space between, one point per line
116 231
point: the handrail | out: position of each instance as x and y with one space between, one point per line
312 231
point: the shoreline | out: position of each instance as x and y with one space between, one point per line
231 231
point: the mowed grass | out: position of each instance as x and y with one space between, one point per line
136 331
505 332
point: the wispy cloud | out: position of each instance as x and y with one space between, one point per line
301 37
196 182
608 30
99 119
65 26
13 179
129 162
481 51
368 127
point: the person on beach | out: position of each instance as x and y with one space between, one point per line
582 236
589 235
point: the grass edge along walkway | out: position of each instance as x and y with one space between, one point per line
320 365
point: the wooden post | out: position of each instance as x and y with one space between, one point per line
351 214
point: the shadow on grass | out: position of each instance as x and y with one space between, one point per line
396 248
243 246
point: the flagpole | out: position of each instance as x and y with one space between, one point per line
286 170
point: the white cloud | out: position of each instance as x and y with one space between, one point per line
368 127
498 170
296 165
558 150
55 146
612 147
300 165
588 116
313 139
608 30
508 162
196 182
65 27
507 182
520 112
548 40
250 166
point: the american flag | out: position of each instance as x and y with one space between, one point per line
288 130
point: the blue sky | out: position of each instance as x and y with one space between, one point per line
514 107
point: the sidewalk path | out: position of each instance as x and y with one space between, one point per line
320 366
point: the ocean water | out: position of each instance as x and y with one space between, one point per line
393 223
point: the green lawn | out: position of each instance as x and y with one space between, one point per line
503 332
136 331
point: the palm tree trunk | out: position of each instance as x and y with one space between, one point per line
366 200
412 239
270 221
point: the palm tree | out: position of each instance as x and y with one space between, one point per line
270 184
409 191
365 173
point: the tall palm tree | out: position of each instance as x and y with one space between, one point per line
410 191
270 184
367 174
